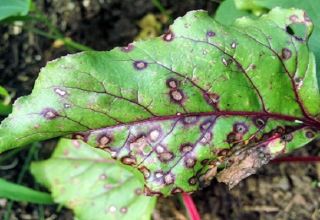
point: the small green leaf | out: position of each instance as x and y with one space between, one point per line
93 185
18 192
10 8
201 97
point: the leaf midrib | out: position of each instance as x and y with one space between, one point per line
306 121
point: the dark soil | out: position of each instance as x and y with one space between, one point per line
278 191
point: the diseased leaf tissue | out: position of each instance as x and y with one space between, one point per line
203 100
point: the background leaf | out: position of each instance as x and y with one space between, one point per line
13 8
203 100
18 192
92 184
227 12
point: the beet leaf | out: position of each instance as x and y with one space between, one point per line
203 100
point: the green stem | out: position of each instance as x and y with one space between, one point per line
67 41
160 7
37 187
31 152
53 32
8 155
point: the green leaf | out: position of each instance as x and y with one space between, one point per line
227 13
203 100
21 193
312 8
92 184
5 102
10 8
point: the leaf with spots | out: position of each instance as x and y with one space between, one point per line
92 184
203 100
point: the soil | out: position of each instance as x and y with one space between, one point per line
278 191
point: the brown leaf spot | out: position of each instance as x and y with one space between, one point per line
49 113
187 147
240 128
190 162
168 179
207 137
66 105
204 162
287 137
286 53
124 210
140 65
294 18
205 125
233 45
233 137
176 190
168 36
103 176
310 134
190 120
160 149
166 156
212 98
211 34
140 145
224 61
113 153
172 83
158 174
104 140
154 135
129 160
260 122
112 209
76 143
108 187
149 192
193 180
127 48
145 171
65 152
60 92
80 136
176 95
138 191
298 82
